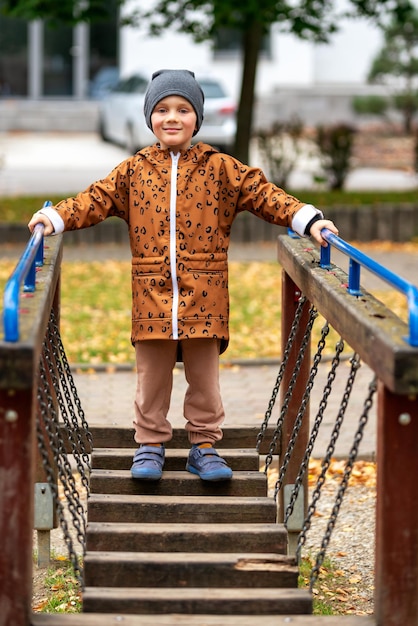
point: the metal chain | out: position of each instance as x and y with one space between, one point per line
65 472
315 430
46 415
74 394
302 349
58 506
78 448
355 365
344 482
71 427
285 358
69 485
301 412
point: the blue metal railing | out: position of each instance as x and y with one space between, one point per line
358 259
25 272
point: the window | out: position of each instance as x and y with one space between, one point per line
13 57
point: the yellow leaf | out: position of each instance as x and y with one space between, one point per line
354 579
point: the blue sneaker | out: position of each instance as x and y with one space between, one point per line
148 462
206 463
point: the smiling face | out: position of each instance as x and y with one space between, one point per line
174 123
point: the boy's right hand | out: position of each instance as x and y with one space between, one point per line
40 218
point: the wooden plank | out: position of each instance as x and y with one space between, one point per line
370 328
180 509
233 437
185 537
103 619
175 459
250 484
194 601
190 569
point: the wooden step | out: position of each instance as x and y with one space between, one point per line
200 548
175 459
189 569
249 484
101 619
146 600
121 437
168 537
180 510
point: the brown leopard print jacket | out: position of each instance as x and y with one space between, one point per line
179 216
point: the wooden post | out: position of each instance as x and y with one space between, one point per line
19 364
290 299
17 441
396 577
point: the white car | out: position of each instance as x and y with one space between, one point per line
121 118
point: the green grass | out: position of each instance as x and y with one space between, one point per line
20 209
325 591
60 591
355 198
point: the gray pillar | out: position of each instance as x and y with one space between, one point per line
80 53
35 59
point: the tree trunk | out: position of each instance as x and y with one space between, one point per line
408 115
252 39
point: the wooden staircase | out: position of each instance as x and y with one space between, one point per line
184 547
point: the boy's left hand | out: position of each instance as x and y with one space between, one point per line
316 228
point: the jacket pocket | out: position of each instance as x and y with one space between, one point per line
206 263
147 266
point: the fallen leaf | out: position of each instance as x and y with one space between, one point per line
355 579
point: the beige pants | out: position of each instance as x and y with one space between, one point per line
203 409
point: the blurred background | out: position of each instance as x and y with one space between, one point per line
322 94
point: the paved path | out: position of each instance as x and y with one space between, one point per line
64 163
54 163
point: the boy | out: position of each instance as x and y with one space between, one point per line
179 202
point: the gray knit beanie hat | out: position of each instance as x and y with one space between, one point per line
174 83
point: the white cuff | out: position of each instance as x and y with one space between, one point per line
56 219
303 217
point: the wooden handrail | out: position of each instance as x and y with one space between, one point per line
378 336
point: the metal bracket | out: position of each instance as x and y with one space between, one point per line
44 507
296 519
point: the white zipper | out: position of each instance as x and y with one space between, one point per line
173 260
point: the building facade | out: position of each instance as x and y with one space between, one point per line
42 60
38 60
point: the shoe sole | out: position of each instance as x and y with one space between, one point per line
210 476
146 476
